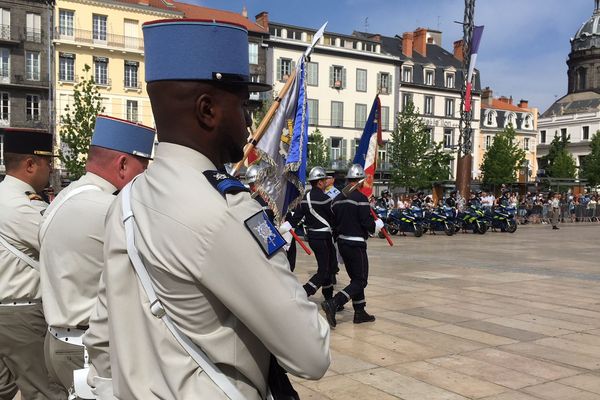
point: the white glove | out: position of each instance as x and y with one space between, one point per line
287 236
378 225
285 228
340 260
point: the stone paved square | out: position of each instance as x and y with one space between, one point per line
494 317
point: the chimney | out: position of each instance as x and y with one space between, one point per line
407 44
523 104
262 19
420 41
458 50
506 100
244 12
487 96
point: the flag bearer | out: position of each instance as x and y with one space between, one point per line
353 223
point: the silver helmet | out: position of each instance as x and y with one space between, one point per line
252 174
317 173
356 171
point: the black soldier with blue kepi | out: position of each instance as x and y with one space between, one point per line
71 251
353 224
315 209
28 162
201 301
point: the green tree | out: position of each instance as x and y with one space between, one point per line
77 125
436 164
590 170
559 162
261 112
410 143
318 151
501 162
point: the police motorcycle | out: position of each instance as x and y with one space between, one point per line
473 218
502 217
405 220
440 219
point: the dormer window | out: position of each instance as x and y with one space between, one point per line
511 119
450 80
407 73
429 77
528 122
490 118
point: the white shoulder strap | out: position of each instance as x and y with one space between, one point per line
20 255
59 204
157 309
314 213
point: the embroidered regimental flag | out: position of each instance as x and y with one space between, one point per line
477 33
366 155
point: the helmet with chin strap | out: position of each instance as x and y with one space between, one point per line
356 171
317 173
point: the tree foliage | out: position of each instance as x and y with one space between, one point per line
560 163
318 151
415 162
77 125
501 162
591 165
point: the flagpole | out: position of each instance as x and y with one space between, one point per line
260 131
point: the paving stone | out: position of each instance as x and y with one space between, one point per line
502 330
556 391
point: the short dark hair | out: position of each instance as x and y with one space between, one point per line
12 161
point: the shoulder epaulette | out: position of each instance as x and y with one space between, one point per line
34 196
225 183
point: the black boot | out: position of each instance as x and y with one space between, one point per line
329 307
361 316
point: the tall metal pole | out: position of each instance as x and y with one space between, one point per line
465 140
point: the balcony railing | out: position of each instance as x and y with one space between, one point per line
129 84
102 81
33 35
5 32
111 40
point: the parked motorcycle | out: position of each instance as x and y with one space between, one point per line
438 220
503 218
405 220
473 219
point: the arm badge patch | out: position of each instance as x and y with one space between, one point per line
264 232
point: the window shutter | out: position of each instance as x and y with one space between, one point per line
379 81
389 84
330 145
343 78
279 77
331 82
293 67
344 145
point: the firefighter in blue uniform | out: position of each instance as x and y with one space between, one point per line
251 178
352 225
315 208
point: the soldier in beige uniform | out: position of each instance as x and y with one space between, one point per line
212 257
71 240
22 325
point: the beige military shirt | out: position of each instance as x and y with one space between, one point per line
214 281
71 254
20 217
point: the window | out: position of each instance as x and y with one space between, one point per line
586 133
526 144
253 53
312 74
382 154
407 74
33 27
131 74
337 149
4 23
337 113
360 115
385 118
32 65
32 107
131 31
429 77
428 108
488 142
448 138
429 135
563 133
101 70
4 65
99 28
450 80
449 108
384 83
406 99
313 112
581 78
66 67
65 23
542 136
4 108
511 119
132 110
284 68
528 122
489 118
361 80
337 77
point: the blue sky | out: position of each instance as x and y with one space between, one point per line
523 51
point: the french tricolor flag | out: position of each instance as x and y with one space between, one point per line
366 155
477 33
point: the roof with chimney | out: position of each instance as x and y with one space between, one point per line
503 103
574 103
198 12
